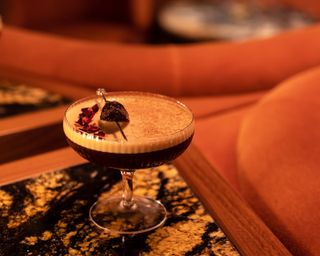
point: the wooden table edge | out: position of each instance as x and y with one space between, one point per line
32 166
31 120
242 226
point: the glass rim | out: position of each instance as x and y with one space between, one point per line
121 93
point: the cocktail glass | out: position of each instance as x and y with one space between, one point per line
160 129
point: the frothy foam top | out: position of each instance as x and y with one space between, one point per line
156 122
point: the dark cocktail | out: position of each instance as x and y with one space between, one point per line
157 129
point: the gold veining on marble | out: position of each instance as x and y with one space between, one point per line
5 202
42 192
181 236
23 94
30 240
189 229
46 235
19 98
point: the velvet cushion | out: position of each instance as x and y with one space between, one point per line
216 138
279 162
218 119
188 70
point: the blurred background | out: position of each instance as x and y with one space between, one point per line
158 21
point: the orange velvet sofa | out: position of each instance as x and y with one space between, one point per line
255 104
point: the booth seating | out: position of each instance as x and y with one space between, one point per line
255 103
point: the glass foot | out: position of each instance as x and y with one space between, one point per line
144 215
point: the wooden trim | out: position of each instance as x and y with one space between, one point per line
31 120
242 226
35 165
39 131
32 133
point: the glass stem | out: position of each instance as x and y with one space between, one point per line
127 188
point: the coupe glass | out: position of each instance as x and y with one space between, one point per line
159 130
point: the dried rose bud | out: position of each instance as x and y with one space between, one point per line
115 112
86 115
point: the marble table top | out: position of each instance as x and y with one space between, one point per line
19 98
48 215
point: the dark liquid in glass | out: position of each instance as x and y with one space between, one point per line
131 160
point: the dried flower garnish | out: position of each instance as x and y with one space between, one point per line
114 111
87 114
84 122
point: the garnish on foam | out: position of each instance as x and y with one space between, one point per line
85 124
113 112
